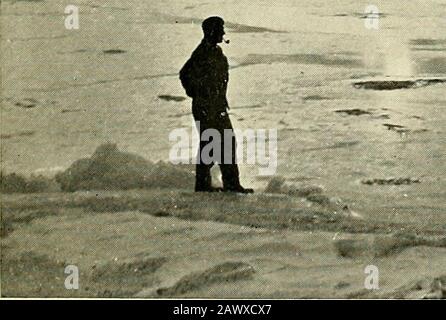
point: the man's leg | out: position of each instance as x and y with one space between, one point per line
203 178
230 171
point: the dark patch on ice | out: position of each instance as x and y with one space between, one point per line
370 15
114 51
299 58
429 49
342 144
390 181
161 214
391 126
384 85
71 110
427 42
402 129
315 98
397 84
353 112
27 103
360 15
18 134
167 97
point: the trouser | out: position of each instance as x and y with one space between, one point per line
220 122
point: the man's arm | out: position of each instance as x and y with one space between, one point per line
187 77
193 74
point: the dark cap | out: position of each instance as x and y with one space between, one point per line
209 24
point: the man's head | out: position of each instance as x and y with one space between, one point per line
213 29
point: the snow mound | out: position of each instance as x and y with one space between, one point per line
111 169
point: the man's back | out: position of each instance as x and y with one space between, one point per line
205 74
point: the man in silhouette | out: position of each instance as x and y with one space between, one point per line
205 79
